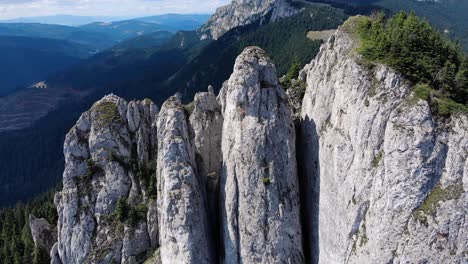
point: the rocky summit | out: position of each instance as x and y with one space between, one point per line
363 173
244 12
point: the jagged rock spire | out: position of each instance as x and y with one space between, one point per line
183 226
259 184
384 179
107 157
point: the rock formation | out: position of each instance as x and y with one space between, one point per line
206 121
182 212
259 185
44 234
376 178
107 177
384 178
244 12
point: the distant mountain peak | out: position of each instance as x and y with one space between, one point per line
244 12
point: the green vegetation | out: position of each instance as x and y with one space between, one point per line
16 244
121 210
189 108
412 47
128 214
292 74
114 157
91 169
285 42
138 73
378 158
107 113
430 205
266 181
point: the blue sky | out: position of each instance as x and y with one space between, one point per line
27 8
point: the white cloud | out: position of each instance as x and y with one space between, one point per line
26 8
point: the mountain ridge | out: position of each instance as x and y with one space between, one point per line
256 117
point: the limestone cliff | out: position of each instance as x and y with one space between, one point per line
181 205
43 234
385 180
244 12
259 185
372 176
108 154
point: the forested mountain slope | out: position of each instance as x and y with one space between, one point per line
143 72
370 171
27 60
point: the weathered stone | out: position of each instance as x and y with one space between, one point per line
182 219
383 179
259 185
44 234
106 159
244 12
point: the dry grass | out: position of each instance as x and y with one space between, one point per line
320 35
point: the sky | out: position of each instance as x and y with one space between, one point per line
30 8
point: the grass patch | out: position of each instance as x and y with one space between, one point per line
412 47
320 35
378 158
440 104
266 181
431 203
107 113
125 213
189 108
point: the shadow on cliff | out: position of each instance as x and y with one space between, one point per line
309 180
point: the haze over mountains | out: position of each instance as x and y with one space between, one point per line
144 58
278 131
24 47
65 20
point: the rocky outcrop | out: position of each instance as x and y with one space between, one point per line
259 185
380 179
107 180
206 121
385 181
44 234
183 227
244 12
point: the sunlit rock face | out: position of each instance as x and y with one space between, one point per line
260 206
385 181
108 155
244 12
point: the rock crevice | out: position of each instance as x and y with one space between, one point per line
370 177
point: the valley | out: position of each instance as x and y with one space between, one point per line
272 131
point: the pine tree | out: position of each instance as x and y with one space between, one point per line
40 256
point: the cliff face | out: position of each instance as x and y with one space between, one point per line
137 180
108 154
244 12
181 205
259 185
371 176
385 179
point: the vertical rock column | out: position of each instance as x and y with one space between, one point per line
259 184
181 207
206 122
106 153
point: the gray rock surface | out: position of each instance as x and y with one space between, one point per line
182 215
385 181
244 12
107 155
206 121
44 234
381 180
259 186
54 255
